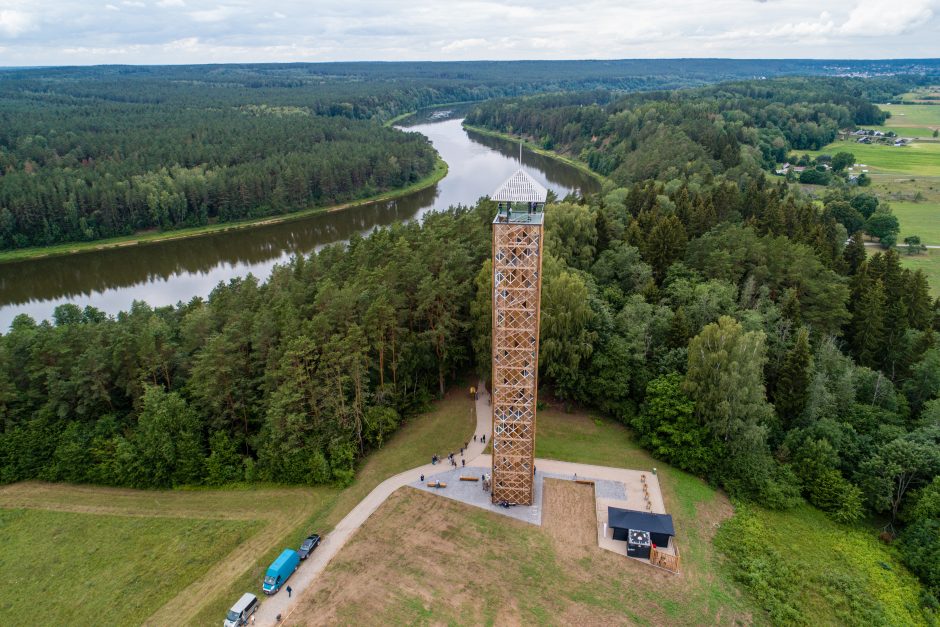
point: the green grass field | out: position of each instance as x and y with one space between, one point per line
924 132
919 115
180 556
919 158
61 568
918 218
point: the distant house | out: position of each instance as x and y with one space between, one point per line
900 142
798 168
864 140
782 170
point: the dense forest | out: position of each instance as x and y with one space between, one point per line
735 324
91 153
697 131
79 167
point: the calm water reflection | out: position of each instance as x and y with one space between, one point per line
168 272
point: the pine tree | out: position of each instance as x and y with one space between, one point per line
866 329
665 244
793 380
854 253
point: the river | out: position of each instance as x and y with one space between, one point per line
164 273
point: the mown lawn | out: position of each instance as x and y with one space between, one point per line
918 218
916 159
920 115
62 568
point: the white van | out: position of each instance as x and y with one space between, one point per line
241 611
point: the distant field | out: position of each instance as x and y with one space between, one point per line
906 131
920 115
62 568
918 218
929 262
920 158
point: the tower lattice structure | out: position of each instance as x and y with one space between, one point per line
517 286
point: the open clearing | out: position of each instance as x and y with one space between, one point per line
919 115
422 559
62 568
918 218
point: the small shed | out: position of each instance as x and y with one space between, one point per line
659 526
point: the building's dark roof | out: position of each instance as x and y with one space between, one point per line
629 519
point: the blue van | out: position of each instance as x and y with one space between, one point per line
278 572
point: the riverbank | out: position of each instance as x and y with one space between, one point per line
70 248
574 163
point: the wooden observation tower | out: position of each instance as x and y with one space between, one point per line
517 292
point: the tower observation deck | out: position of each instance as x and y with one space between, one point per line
517 287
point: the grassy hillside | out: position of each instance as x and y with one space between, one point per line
806 570
62 568
427 560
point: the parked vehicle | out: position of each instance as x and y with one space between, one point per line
279 570
241 611
309 544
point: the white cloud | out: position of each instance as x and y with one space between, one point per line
13 23
464 44
887 17
111 7
329 30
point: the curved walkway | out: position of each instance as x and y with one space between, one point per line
306 575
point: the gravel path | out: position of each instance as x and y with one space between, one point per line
618 483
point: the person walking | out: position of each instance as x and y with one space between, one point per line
422 478
463 463
474 437
289 590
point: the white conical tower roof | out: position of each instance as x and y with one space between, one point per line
520 187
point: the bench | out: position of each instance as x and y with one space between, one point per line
436 484
462 478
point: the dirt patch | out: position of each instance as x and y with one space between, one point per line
569 516
423 559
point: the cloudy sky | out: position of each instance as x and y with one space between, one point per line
57 32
